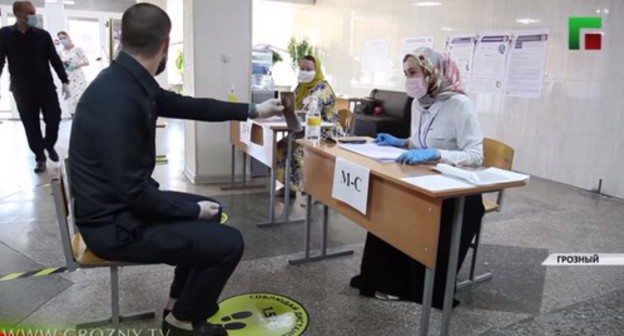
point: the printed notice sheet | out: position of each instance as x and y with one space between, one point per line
489 63
461 50
527 64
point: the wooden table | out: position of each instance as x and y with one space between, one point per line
261 144
403 215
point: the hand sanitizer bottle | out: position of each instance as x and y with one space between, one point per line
313 122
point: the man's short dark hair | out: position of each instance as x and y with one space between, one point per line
18 5
144 28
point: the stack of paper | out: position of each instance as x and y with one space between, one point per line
374 151
481 177
453 178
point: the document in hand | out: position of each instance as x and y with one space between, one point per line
292 121
374 151
481 177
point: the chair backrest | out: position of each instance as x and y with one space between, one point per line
63 200
500 155
346 120
497 154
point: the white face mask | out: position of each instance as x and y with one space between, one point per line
32 20
306 76
416 87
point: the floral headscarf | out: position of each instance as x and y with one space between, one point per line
441 75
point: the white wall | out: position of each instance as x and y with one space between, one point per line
218 30
571 134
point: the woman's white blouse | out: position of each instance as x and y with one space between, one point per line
450 126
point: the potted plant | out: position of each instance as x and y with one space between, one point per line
297 50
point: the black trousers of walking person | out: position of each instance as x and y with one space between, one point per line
32 102
204 252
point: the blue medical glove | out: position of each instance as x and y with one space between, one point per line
385 139
416 156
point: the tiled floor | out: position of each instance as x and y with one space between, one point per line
523 298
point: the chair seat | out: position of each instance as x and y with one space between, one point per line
84 257
490 205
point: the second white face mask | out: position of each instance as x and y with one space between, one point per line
306 76
416 87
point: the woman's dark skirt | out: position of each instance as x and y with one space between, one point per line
388 270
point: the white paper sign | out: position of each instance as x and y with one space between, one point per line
490 59
461 50
376 55
351 184
245 131
527 64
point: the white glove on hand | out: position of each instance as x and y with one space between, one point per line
269 108
66 92
208 210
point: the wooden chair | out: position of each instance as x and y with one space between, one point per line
78 255
500 155
346 121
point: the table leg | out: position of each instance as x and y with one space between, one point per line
233 185
451 275
324 255
286 211
427 298
289 146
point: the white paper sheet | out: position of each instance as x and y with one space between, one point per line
351 184
245 131
437 182
461 50
481 177
376 55
489 63
527 64
374 151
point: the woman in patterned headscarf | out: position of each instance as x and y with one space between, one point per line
444 128
312 84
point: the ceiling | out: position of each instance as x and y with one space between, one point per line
117 6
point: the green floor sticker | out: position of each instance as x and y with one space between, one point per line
261 314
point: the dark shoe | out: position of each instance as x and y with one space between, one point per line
209 329
53 155
201 329
280 193
40 167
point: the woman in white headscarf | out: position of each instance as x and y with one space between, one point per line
444 128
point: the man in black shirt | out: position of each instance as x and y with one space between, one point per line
120 210
30 52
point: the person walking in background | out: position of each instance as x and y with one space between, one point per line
73 59
30 51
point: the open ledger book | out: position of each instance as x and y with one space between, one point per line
483 177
